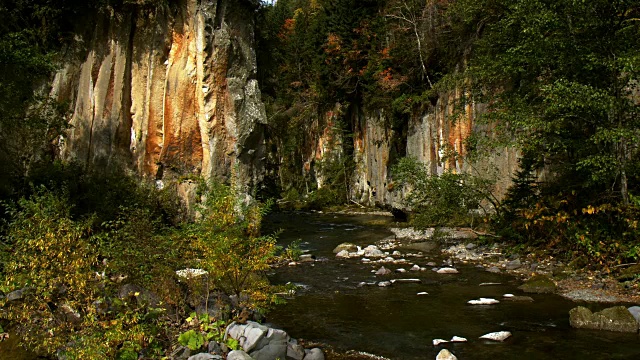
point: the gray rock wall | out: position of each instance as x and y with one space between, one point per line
166 92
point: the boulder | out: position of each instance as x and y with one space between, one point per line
445 354
314 354
539 284
248 335
348 247
238 355
343 254
272 346
616 318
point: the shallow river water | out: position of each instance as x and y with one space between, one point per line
396 323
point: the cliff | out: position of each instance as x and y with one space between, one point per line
166 91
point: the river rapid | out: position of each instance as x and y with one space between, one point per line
331 307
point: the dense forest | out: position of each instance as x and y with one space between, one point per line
558 78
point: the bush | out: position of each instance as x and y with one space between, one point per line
441 200
71 265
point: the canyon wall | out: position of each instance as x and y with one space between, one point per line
167 92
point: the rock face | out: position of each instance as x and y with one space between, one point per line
166 91
616 318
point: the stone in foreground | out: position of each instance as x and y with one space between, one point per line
445 354
616 318
496 336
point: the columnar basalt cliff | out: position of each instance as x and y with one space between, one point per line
166 91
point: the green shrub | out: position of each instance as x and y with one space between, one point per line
440 200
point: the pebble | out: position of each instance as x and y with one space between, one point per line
415 268
401 270
423 293
384 283
458 339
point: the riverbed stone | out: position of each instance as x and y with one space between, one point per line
373 251
314 354
539 284
447 270
238 355
497 336
519 298
616 318
494 269
384 283
343 254
445 354
383 271
348 247
514 265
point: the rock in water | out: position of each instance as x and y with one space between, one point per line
447 270
445 354
384 283
383 271
348 247
496 336
343 254
483 301
437 342
616 318
539 284
314 354
458 339
373 251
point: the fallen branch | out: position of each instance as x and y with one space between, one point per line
362 206
623 265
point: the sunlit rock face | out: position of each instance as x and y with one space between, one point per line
166 92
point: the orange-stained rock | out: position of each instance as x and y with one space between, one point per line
166 92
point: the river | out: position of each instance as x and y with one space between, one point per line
394 322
